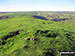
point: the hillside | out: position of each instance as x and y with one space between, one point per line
23 35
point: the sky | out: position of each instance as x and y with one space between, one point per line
37 5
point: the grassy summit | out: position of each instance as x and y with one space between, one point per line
23 35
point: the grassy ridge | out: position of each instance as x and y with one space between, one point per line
27 36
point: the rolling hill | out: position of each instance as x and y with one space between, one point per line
21 34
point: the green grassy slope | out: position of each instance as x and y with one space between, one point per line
27 36
69 22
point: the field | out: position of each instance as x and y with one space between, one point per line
37 33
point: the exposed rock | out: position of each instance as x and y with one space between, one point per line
32 39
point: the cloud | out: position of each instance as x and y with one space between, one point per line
35 9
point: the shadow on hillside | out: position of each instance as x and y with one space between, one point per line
46 33
4 17
12 34
56 20
40 17
62 19
48 54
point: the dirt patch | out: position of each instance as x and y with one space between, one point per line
9 36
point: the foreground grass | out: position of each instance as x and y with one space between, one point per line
35 37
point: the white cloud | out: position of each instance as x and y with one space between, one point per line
34 9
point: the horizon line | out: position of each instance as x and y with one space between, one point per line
38 11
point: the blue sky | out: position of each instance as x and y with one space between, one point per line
37 5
